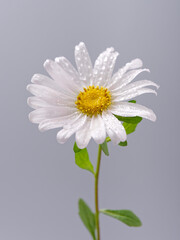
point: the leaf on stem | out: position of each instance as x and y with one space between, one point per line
132 101
82 158
104 147
130 127
76 149
134 120
123 144
125 216
87 217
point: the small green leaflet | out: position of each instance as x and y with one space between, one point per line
130 127
82 158
76 149
104 147
132 101
129 119
87 217
123 144
125 216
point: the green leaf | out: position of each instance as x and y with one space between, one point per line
104 147
130 127
87 217
75 148
123 144
125 216
132 101
82 159
129 119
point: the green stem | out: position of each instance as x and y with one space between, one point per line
96 192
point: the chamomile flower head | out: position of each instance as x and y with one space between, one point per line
84 101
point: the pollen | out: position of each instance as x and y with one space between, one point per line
93 100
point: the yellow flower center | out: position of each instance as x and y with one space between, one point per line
93 100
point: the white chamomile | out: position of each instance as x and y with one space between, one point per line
84 102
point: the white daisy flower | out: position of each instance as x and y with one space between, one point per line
84 102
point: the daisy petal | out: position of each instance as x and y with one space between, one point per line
134 64
56 72
80 121
133 93
49 95
114 128
83 62
127 78
135 86
45 81
41 114
98 131
63 79
83 136
67 67
131 110
65 133
104 66
35 102
58 122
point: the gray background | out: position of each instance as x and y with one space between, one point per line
39 181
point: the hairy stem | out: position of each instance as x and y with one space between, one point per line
96 192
